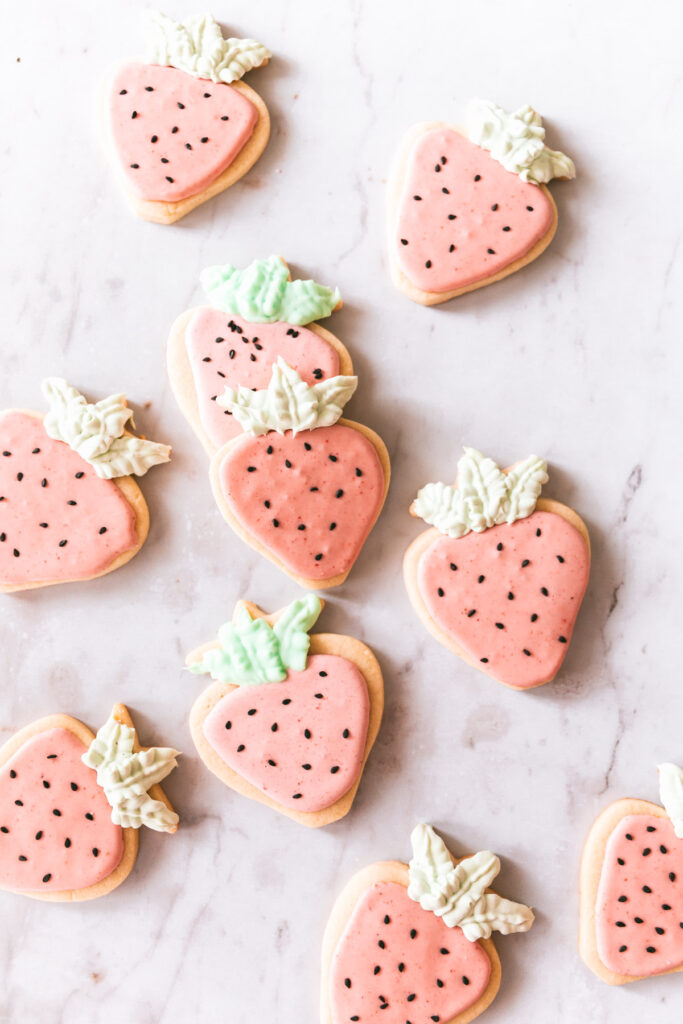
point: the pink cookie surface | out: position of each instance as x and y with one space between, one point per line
300 741
395 956
639 910
173 133
311 499
462 217
56 832
509 596
58 519
227 351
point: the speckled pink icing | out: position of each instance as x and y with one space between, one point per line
50 495
395 956
639 910
174 134
229 351
301 741
509 596
56 832
311 499
462 217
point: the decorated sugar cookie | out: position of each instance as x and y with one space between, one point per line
632 886
415 939
301 485
467 208
290 719
69 507
182 125
500 577
253 317
71 806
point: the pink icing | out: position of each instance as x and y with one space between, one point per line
43 818
653 886
456 210
31 553
229 351
321 716
162 99
334 490
409 965
468 601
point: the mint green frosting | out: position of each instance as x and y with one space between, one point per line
262 293
252 652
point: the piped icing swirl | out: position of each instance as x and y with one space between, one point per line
671 794
197 46
517 142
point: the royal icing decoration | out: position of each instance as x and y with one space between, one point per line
288 403
457 893
671 794
126 777
263 293
484 496
97 432
517 142
197 47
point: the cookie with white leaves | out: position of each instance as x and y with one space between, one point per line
468 207
415 939
181 124
69 507
252 318
72 805
500 576
300 485
290 719
631 924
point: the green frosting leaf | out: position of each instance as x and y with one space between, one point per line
262 294
252 652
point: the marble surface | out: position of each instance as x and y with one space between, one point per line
575 358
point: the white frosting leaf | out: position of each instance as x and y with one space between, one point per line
671 794
289 403
516 141
197 46
96 431
457 893
292 629
126 777
484 496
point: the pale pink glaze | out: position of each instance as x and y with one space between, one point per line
340 459
31 553
468 610
59 847
454 209
329 700
192 164
435 954
227 351
634 947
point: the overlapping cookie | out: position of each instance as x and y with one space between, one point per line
253 317
72 804
631 923
416 939
69 507
468 208
290 719
182 126
500 577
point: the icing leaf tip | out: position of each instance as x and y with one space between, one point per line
516 141
198 47
671 794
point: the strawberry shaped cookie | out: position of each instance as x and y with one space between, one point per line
291 718
467 209
500 578
69 507
415 939
302 486
71 805
182 126
254 317
632 886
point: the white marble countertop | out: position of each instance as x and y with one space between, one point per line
574 358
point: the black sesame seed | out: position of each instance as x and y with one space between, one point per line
20 476
465 980
149 88
401 968
276 523
133 115
36 451
272 763
56 813
417 198
12 773
319 556
306 767
169 179
452 216
89 816
506 229
494 207
437 168
377 969
481 579
485 660
477 177
544 591
71 502
444 951
441 591
622 949
43 482
660 931
301 526
155 138
650 828
307 733
663 849
629 836
525 651
381 943
38 835
491 252
404 241
453 567
666 906
181 105
347 982
471 613
672 876
499 546
63 543
651 949
620 924
647 851
638 920
307 446
500 625
95 852
46 878
267 504
205 139
620 861
428 264
16 553
339 494
251 711
19 803
80 474
511 596
410 997
123 92
445 191
240 748
451 248
413 933
332 458
333 526
188 146
228 725
334 769
530 208
273 727
525 563
46 784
